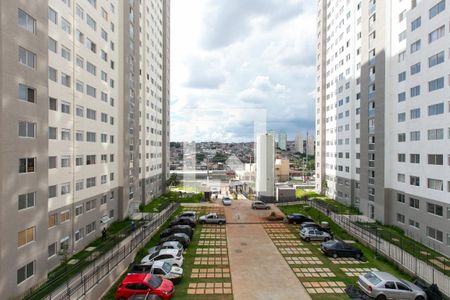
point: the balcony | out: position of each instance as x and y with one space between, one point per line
372 95
371 113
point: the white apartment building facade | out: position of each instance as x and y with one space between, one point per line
265 167
396 167
71 156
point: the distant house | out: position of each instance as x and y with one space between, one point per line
234 163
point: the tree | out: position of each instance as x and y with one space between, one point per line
172 180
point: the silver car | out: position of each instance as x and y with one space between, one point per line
260 205
382 286
314 234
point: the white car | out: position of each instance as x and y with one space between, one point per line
226 201
172 256
167 271
167 245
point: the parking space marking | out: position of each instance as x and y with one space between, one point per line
325 287
313 272
213 243
209 288
346 261
303 260
211 261
213 230
213 236
211 273
211 251
355 272
295 251
283 236
287 243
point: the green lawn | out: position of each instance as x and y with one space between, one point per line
333 205
160 203
373 260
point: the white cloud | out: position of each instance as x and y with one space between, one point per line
233 55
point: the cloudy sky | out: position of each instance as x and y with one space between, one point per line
237 61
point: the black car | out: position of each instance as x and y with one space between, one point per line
183 221
340 249
179 237
186 229
298 219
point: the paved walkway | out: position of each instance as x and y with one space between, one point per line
258 271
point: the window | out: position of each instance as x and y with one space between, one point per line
93 3
90 136
79 160
415 91
26 21
414 224
80 36
26 200
103 179
91 45
52 162
435 184
25 272
52 15
91 114
415 46
90 205
414 180
27 58
104 138
436 59
65 107
52 74
90 159
65 188
414 136
91 91
65 134
26 236
436 34
401 137
65 53
416 23
104 97
78 210
435 234
436 109
27 129
104 158
401 157
80 135
103 199
401 177
64 216
79 234
65 161
27 165
52 191
414 203
402 76
104 118
91 22
415 68
436 159
401 198
27 93
414 158
65 25
52 133
79 185
52 104
415 113
435 134
80 12
111 139
79 111
402 36
52 250
52 220
65 79
401 218
91 68
90 227
436 84
401 97
437 9
80 61
52 45
401 117
90 182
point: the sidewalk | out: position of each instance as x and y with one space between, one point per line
258 271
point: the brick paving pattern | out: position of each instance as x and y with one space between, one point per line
211 251
210 288
212 236
211 273
294 251
303 260
287 243
212 243
283 236
222 260
313 272
325 287
346 261
355 272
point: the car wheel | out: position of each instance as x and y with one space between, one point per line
419 298
326 239
334 255
122 298
202 222
220 223
380 297
307 239
358 256
268 207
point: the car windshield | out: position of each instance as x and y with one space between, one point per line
372 278
154 282
405 283
166 267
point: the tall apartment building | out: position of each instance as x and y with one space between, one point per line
382 122
299 147
85 118
265 167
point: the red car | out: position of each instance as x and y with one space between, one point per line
141 284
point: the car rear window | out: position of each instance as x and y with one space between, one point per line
179 253
154 282
372 278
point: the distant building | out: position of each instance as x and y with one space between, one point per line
310 145
299 147
282 140
282 169
275 136
265 167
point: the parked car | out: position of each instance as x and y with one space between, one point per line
143 284
260 205
177 229
298 219
188 214
177 237
336 249
166 245
183 221
314 234
175 257
167 271
383 285
212 218
226 201
309 224
139 268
